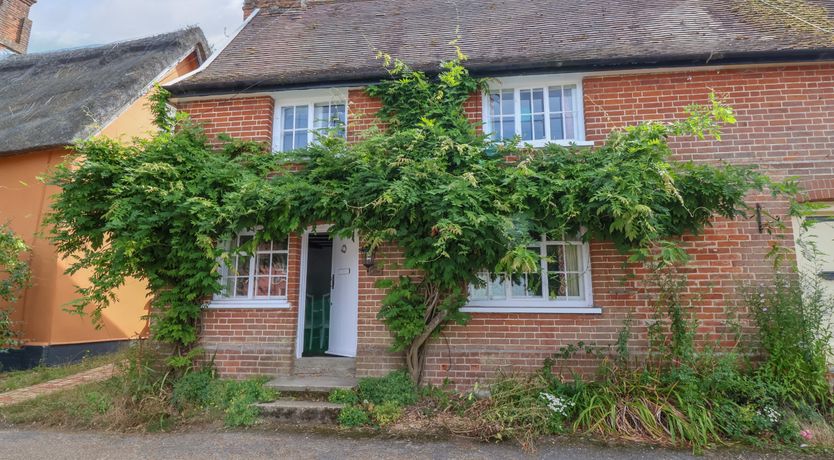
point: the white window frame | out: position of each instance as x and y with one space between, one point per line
540 305
220 301
309 98
521 83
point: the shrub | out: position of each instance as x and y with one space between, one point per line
194 388
386 413
518 410
353 416
396 387
343 396
14 275
792 316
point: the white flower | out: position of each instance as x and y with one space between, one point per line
556 404
771 414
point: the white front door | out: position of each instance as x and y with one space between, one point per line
344 297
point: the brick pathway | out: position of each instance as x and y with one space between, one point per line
25 394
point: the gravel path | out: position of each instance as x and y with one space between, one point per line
54 445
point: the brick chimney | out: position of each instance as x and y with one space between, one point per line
250 5
15 25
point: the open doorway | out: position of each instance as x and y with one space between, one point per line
329 295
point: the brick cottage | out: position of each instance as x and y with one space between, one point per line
563 72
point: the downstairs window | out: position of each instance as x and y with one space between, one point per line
562 284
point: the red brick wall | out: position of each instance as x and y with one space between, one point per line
247 118
785 125
15 26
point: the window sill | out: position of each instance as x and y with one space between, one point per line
531 309
541 144
249 303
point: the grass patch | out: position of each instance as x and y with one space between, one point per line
146 396
13 380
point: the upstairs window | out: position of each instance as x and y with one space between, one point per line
300 117
562 281
539 111
261 276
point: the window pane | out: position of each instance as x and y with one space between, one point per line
538 100
570 127
538 127
242 266
481 291
574 285
242 287
321 115
262 264
508 128
568 102
279 287
279 264
301 114
262 286
572 258
338 115
495 103
496 287
526 285
555 258
555 94
507 102
556 129
495 128
280 245
286 144
289 117
526 102
301 139
556 285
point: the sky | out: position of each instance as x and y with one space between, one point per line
59 24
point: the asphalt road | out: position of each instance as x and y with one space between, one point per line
53 445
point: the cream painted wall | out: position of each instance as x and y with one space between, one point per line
24 201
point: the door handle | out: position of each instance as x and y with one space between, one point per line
332 281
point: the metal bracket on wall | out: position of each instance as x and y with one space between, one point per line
759 223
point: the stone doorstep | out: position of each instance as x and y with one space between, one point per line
325 367
294 411
311 384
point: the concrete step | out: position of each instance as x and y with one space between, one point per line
325 367
299 411
311 384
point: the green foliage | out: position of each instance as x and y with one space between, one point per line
237 399
428 181
396 387
353 416
14 275
793 315
518 410
386 413
195 388
14 272
343 396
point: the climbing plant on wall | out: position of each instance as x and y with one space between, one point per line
426 180
14 276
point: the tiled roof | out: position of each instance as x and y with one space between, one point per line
336 41
51 99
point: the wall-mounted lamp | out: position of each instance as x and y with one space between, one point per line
368 258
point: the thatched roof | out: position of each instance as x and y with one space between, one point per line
51 99
335 41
